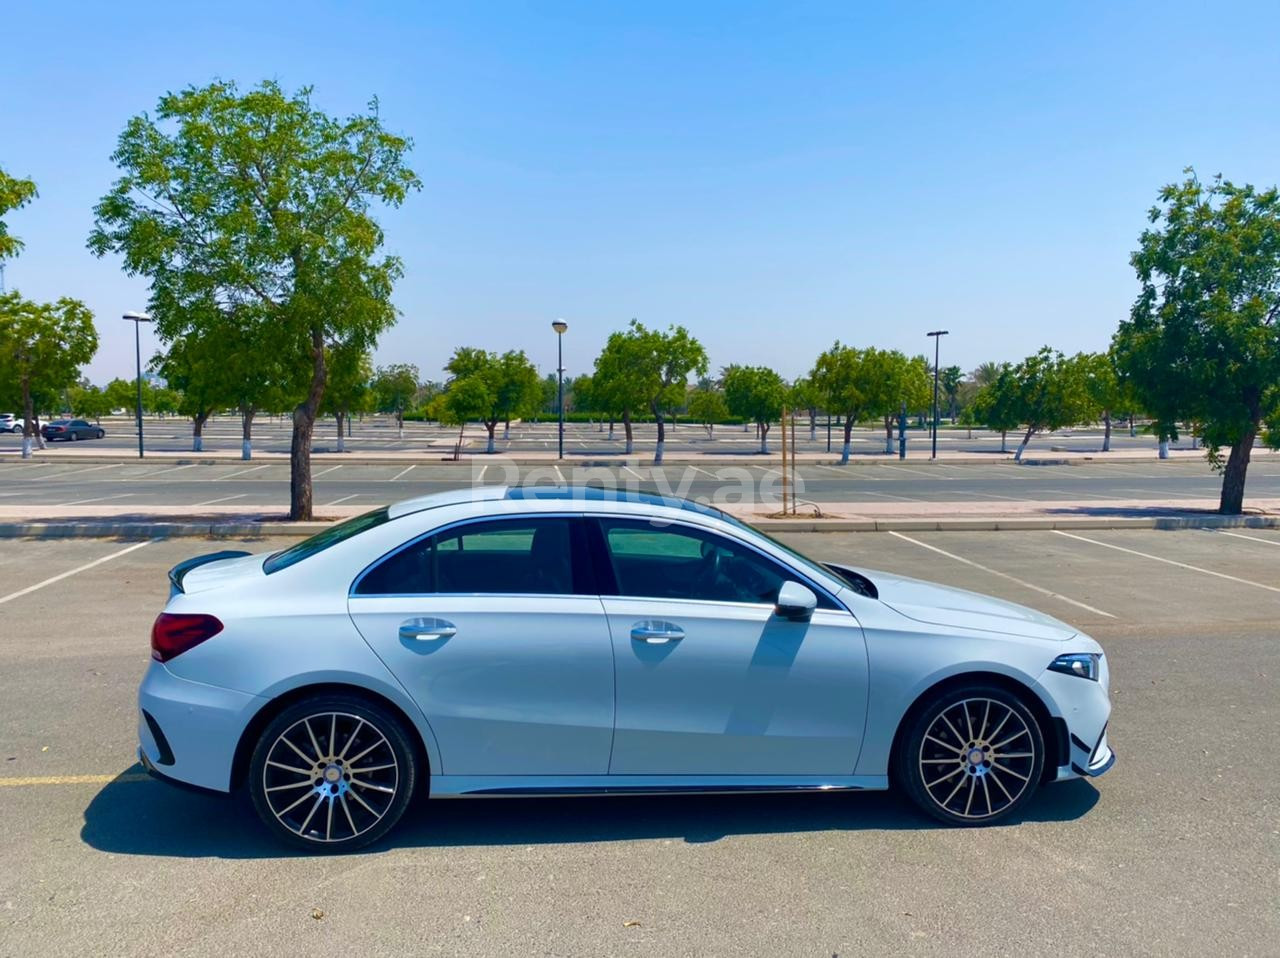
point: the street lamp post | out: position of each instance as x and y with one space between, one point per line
937 335
560 326
138 319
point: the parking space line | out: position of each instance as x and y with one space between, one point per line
343 499
559 474
1003 575
76 571
209 502
78 471
30 780
711 475
241 472
80 502
634 473
152 475
1173 562
883 495
917 472
1237 535
405 472
326 471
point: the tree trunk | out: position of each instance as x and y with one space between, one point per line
764 438
1133 428
399 423
304 423
490 427
662 436
1232 501
197 431
888 434
342 418
1004 440
813 425
506 430
626 430
29 430
1106 435
848 441
1017 456
246 429
1163 452
610 427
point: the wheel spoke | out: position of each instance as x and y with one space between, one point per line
356 758
301 754
937 761
944 718
939 781
995 755
1011 738
944 744
973 787
987 791
986 715
968 719
288 809
350 821
376 788
311 814
281 788
379 768
346 748
366 805
290 768
1003 721
947 801
1002 788
1005 768
314 744
328 820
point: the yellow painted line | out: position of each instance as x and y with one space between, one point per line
32 780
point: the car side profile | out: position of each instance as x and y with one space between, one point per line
71 430
540 641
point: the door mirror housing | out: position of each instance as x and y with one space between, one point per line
795 602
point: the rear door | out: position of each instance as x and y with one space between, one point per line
499 635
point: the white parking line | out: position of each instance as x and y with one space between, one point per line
883 495
77 471
483 470
634 473
1237 535
917 472
78 569
209 502
405 472
559 474
711 475
1180 565
152 475
325 471
80 502
242 472
343 499
1003 575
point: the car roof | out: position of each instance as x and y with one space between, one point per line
582 494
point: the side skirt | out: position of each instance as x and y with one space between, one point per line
497 786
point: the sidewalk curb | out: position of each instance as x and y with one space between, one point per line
259 530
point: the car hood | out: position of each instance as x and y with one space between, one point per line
214 572
959 608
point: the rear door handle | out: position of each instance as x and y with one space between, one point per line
427 630
653 632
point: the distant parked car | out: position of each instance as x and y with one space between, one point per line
71 429
10 423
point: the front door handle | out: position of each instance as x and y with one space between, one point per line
427 630
653 632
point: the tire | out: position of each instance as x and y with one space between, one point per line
319 806
75 437
100 434
972 755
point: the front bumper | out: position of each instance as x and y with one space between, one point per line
193 730
1085 706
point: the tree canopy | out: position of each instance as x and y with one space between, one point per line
1201 343
840 376
258 204
15 193
490 387
756 393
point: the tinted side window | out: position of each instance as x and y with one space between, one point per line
512 556
678 562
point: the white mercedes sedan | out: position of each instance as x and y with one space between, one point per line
569 641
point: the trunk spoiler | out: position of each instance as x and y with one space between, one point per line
179 572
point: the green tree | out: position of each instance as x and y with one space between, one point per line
192 367
89 402
350 387
42 347
756 393
1048 393
891 379
15 193
395 389
842 377
950 378
260 200
1106 390
804 395
122 394
996 404
987 373
708 407
1201 343
490 387
649 369
164 401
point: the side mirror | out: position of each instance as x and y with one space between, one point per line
795 602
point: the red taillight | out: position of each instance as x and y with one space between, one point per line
174 634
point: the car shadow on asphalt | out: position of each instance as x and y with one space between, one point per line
134 815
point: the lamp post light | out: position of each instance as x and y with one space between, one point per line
138 319
560 326
937 335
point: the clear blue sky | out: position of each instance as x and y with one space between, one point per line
773 176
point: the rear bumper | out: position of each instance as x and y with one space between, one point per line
193 730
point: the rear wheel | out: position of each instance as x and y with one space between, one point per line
332 773
972 756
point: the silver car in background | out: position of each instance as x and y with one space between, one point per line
540 641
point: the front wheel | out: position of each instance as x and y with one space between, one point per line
332 773
972 756
100 434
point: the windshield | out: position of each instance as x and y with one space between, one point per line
323 540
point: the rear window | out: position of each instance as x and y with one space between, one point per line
323 540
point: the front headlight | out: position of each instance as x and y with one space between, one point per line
1082 664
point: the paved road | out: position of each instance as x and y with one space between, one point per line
379 434
50 483
1174 852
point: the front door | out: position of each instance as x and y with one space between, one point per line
710 681
489 626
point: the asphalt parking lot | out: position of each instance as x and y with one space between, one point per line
1176 851
248 485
